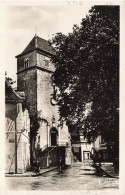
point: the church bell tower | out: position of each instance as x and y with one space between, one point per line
34 71
34 77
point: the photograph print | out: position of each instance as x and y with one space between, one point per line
62 97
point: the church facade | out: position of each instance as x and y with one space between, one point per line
34 77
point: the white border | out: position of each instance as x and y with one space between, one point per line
5 3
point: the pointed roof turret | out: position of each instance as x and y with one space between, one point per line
40 44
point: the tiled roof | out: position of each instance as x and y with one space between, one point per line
10 93
40 44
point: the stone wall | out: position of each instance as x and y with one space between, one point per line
26 81
44 93
64 134
41 62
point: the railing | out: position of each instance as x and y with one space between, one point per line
59 143
62 143
66 144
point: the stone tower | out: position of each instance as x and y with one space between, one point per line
34 71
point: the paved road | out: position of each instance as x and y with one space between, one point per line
75 177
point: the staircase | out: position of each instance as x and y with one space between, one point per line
45 156
50 155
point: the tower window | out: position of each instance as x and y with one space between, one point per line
24 83
47 63
26 62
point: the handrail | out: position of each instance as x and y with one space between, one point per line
52 149
41 157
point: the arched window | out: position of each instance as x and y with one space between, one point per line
26 62
46 63
53 133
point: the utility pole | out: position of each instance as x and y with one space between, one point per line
15 147
48 145
17 111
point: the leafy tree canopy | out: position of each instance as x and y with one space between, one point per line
87 74
8 83
36 120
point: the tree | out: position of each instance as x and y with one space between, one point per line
8 83
35 122
87 74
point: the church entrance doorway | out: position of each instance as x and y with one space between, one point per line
53 139
53 133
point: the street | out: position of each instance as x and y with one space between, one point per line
75 177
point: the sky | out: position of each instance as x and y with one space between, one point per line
22 22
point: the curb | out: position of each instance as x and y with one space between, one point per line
34 175
103 171
45 172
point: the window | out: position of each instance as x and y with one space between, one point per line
26 62
47 63
53 139
24 83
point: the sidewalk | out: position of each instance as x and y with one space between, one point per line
31 173
108 169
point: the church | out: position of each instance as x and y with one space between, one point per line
52 140
34 78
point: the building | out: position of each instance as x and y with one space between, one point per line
82 149
34 77
106 150
85 151
17 129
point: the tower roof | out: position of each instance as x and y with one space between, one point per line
38 43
